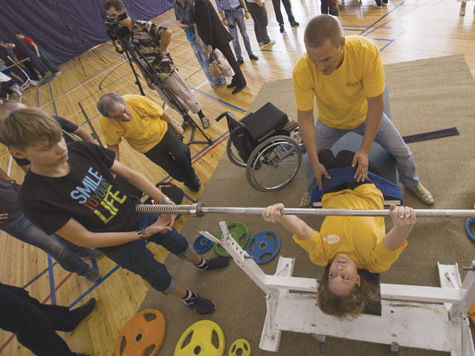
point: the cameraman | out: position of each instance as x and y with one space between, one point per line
152 41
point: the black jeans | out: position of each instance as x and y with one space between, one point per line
278 13
259 16
35 324
238 77
173 156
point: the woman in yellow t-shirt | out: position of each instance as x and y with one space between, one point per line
347 243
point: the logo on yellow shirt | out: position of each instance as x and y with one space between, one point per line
353 84
331 239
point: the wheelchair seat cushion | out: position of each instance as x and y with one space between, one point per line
264 122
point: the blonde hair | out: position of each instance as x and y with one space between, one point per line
349 306
29 127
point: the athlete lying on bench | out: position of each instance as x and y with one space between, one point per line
347 243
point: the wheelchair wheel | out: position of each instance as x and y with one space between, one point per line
233 155
273 163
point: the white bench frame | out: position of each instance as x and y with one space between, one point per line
433 318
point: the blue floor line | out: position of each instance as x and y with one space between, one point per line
114 53
51 281
220 100
382 17
97 284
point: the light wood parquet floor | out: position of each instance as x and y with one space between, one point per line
404 31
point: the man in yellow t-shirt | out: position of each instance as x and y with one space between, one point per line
346 77
148 130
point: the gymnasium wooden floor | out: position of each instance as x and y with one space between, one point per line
404 31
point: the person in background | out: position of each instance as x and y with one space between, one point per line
214 35
153 41
288 10
257 9
463 5
232 13
39 53
185 15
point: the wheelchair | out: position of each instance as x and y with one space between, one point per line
268 144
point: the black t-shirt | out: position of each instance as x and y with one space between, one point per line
88 194
9 200
66 125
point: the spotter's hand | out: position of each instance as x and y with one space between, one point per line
273 213
319 170
361 162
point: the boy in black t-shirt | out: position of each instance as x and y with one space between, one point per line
70 191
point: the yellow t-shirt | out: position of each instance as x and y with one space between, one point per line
341 96
145 129
358 237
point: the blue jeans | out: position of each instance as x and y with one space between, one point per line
387 136
135 256
236 19
67 254
203 59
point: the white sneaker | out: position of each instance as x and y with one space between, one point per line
423 194
16 90
1 101
305 200
58 73
462 11
34 82
264 45
204 122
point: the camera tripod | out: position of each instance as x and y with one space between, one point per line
133 53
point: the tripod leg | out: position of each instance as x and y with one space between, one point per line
195 126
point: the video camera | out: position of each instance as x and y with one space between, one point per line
114 30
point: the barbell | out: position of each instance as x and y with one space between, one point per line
199 209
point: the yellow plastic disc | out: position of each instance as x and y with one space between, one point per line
203 338
240 347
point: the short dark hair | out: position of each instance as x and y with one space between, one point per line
323 28
116 4
349 306
107 101
28 127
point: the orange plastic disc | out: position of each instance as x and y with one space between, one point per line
142 335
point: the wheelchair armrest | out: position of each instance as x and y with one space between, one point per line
227 114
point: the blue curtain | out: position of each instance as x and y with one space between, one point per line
66 28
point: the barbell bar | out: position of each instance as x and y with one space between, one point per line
199 209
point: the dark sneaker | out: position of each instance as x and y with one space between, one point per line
93 275
253 57
216 263
201 305
194 185
79 314
294 24
240 61
379 4
238 89
282 29
385 2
